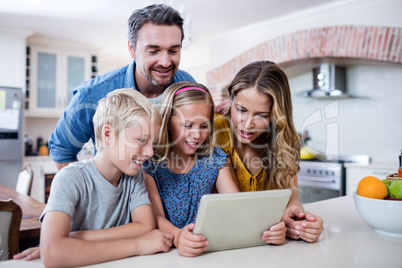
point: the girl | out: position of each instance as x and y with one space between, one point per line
257 132
189 166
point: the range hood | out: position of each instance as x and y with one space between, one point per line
329 82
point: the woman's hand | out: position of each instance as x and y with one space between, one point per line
276 234
302 225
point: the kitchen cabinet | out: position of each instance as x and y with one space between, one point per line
44 170
355 172
52 74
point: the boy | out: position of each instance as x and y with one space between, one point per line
98 209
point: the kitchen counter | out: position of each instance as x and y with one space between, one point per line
374 165
347 241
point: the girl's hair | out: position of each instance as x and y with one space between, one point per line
280 142
121 109
172 99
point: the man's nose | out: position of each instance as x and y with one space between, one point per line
164 60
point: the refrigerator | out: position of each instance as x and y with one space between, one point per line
11 134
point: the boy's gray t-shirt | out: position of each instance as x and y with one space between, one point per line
94 203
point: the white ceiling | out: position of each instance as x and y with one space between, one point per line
102 23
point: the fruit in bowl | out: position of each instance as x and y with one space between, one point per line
372 187
395 189
379 205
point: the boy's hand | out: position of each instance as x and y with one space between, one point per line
28 254
153 242
189 244
276 234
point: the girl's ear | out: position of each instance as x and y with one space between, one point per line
108 136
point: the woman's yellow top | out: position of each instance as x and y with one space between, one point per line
246 181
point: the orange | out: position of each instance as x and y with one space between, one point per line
372 187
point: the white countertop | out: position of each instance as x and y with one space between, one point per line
347 241
374 165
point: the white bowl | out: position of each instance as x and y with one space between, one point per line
385 216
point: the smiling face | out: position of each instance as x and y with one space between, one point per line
134 145
189 128
250 114
157 54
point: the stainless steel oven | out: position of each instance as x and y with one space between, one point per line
324 178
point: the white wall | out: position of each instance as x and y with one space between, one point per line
355 12
370 124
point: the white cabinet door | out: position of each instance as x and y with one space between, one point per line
78 69
355 174
45 79
54 73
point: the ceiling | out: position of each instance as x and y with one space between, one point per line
102 23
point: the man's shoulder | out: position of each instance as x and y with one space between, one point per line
183 76
104 83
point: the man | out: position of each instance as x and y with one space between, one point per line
155 36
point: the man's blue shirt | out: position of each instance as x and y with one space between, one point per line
76 127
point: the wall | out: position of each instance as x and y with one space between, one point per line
355 12
370 124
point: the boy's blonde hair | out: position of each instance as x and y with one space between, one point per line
121 109
171 102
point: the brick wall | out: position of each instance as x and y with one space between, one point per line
359 42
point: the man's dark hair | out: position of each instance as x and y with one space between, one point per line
156 14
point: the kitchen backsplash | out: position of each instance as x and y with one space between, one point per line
370 124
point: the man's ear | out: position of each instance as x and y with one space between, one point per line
108 136
131 49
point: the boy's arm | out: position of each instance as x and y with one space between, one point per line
142 222
58 249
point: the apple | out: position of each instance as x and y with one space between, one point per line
395 189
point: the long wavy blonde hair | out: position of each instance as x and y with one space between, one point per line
281 150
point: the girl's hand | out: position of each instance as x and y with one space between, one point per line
276 234
189 244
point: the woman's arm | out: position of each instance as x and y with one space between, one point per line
57 249
301 224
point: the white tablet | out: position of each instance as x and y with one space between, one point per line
237 220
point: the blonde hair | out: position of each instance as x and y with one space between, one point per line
120 109
281 153
171 102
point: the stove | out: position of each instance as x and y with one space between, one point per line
324 177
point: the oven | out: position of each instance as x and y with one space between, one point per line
324 178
